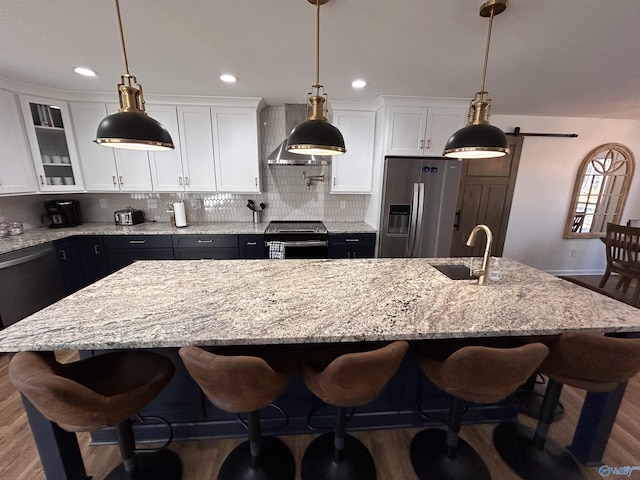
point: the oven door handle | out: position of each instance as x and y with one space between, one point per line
302 243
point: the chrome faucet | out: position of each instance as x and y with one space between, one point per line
484 271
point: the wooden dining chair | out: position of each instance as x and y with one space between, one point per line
623 257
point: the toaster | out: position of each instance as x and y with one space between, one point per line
129 216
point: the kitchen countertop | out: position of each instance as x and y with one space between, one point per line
215 302
37 236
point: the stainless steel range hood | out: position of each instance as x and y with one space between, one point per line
293 115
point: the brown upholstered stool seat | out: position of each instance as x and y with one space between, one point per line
238 383
101 391
345 376
590 362
473 373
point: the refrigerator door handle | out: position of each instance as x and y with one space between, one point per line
415 199
418 229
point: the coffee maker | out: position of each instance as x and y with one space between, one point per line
63 213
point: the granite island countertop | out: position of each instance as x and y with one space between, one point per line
214 302
40 235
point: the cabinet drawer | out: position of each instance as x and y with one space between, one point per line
252 246
137 241
205 241
352 239
221 253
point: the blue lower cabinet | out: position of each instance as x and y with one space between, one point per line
210 247
252 246
123 250
82 261
356 245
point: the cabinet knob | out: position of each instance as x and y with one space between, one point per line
41 180
96 249
429 144
256 181
180 181
186 181
121 180
115 183
421 144
63 255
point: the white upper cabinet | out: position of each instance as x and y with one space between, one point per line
352 172
421 131
190 166
53 150
236 149
98 162
16 170
166 166
196 143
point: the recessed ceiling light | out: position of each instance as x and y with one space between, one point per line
358 83
227 77
85 72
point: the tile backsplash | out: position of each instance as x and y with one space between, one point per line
284 193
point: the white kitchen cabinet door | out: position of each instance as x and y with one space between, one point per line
441 124
134 173
421 131
98 162
236 149
53 148
166 166
16 170
352 172
196 143
406 131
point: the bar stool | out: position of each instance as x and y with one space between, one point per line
590 362
473 373
345 376
244 384
97 392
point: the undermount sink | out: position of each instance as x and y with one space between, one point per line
456 272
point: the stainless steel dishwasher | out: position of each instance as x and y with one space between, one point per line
29 281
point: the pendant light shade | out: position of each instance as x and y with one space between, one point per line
116 131
131 127
479 139
316 136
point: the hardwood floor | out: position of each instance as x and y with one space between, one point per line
390 448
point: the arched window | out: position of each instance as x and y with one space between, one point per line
600 191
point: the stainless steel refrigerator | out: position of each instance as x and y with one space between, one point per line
418 206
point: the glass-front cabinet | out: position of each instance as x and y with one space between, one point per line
52 146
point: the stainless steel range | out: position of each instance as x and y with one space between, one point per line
301 239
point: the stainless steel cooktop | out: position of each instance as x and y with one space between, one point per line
296 227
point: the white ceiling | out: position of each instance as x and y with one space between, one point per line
548 57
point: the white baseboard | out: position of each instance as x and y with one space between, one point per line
559 273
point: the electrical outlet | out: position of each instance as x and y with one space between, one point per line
574 253
152 203
343 204
103 202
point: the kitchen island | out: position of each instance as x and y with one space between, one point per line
168 304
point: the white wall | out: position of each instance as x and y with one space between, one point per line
548 168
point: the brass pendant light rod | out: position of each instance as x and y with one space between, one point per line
486 54
124 48
317 85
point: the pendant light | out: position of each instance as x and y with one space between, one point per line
131 127
316 136
479 139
